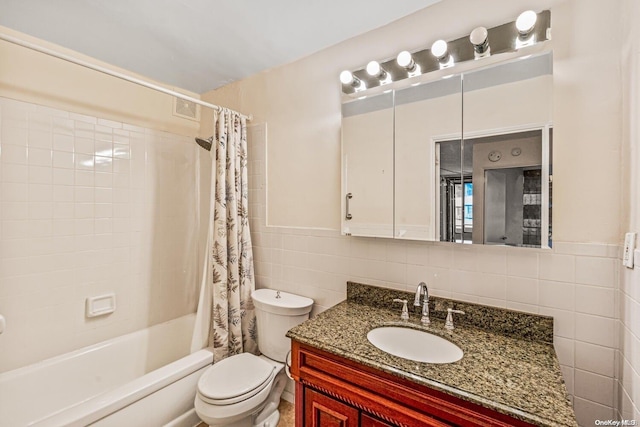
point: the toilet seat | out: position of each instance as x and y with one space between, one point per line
235 379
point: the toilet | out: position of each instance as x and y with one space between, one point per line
244 390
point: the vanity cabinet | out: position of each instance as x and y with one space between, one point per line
334 391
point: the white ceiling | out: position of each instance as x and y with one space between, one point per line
200 45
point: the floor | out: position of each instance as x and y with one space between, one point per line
287 415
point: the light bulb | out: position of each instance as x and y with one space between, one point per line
373 68
526 21
479 38
404 59
346 77
439 49
478 35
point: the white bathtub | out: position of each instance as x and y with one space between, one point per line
146 378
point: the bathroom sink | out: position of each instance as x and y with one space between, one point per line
414 344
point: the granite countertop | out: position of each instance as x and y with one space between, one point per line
513 375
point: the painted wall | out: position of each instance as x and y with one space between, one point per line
299 194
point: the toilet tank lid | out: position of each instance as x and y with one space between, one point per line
279 302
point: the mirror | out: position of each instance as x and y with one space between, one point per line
465 158
494 183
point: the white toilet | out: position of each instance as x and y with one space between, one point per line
244 390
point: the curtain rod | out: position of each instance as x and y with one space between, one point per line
109 72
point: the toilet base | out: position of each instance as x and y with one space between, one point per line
271 421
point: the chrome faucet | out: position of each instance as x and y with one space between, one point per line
422 290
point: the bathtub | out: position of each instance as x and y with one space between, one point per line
146 378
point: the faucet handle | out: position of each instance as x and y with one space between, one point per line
405 310
448 324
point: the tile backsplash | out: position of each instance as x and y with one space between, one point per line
576 283
87 207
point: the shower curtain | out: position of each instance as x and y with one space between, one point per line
226 318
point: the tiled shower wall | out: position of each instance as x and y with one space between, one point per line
88 207
574 283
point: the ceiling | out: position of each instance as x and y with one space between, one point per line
200 45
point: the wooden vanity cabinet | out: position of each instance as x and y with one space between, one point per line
335 392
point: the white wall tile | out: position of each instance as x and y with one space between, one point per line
13 135
14 154
565 350
62 237
40 157
594 358
492 260
587 412
595 271
594 387
417 254
441 256
522 290
595 300
560 268
556 295
595 329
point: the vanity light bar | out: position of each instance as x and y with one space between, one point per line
530 28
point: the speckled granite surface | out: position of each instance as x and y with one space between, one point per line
505 322
515 376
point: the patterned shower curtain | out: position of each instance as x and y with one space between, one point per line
233 323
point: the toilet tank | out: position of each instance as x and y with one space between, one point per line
276 313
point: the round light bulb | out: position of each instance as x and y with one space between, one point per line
373 68
346 77
526 21
439 49
478 36
404 59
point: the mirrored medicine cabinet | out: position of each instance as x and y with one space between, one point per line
465 158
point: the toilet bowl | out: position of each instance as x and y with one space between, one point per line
244 390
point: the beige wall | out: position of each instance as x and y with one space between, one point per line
30 76
300 102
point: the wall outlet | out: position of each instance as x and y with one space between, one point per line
629 246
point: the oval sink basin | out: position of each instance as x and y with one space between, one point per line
413 344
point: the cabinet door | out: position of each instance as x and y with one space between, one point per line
324 411
367 161
367 421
